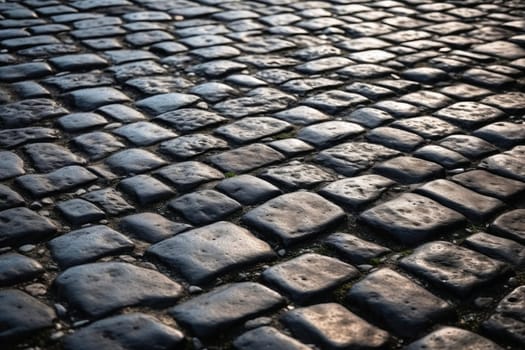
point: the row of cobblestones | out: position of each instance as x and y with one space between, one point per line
266 174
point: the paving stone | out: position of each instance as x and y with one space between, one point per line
166 102
47 157
151 227
453 268
10 138
294 216
248 189
469 146
147 37
126 71
146 189
507 323
398 109
350 158
188 146
474 206
427 99
427 127
511 225
73 81
22 225
505 164
22 315
110 200
134 161
464 91
131 331
186 175
497 248
326 133
26 112
16 268
92 98
205 206
356 250
487 79
153 85
295 176
63 179
81 121
512 102
11 165
77 62
78 211
442 156
490 184
356 191
395 138
208 314
88 245
98 144
403 306
309 276
99 288
216 249
267 338
331 326
334 100
190 119
24 71
246 158
409 170
9 198
469 114
502 134
302 115
144 133
122 113
276 75
30 89
425 75
124 56
213 91
259 100
252 128
412 218
448 338
291 147
369 117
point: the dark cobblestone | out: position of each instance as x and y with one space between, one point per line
386 134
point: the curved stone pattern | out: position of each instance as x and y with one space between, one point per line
365 159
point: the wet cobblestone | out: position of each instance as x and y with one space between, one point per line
204 174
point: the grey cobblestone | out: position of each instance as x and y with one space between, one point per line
151 151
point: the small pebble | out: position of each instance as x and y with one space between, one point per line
258 322
281 252
26 248
61 310
36 205
195 289
36 289
80 323
57 335
483 302
47 201
365 267
513 282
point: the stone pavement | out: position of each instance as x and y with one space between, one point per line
266 174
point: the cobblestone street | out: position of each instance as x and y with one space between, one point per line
266 174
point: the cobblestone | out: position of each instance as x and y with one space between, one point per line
169 167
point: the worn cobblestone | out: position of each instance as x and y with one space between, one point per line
317 171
